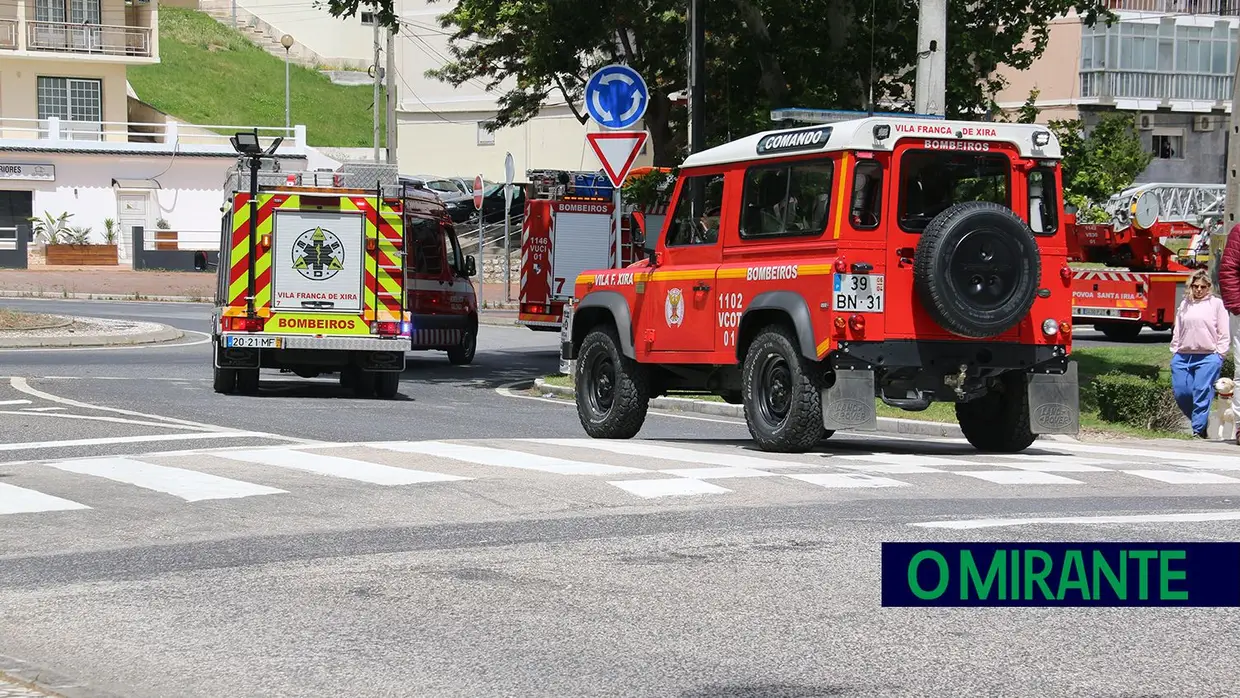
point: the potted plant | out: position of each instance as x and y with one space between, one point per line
71 245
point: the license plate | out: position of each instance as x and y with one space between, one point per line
241 342
1096 312
858 293
565 324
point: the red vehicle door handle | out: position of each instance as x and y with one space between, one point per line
701 287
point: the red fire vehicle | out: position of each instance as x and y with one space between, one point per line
439 293
1143 281
570 227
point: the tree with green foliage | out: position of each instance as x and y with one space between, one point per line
760 54
1101 162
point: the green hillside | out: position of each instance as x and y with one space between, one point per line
209 74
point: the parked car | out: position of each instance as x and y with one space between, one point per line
461 208
441 186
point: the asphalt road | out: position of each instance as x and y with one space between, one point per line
158 539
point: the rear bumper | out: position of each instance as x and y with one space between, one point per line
342 343
439 331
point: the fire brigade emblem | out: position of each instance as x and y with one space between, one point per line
318 254
674 308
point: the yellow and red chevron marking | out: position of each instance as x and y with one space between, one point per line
238 278
384 277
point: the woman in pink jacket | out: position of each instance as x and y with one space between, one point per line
1199 342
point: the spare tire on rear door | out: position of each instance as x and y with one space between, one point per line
976 269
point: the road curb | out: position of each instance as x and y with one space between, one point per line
889 425
44 681
164 333
102 297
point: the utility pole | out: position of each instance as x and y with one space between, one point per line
378 78
697 74
931 89
1232 204
391 97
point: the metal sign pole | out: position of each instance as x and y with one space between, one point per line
615 222
482 277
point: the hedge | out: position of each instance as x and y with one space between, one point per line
1137 401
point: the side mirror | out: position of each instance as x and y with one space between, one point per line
471 267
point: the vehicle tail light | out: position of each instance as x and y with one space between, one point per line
841 266
385 328
245 324
1065 272
840 324
857 323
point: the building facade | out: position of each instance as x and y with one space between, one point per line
1169 63
75 140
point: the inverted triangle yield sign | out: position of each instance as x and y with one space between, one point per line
617 150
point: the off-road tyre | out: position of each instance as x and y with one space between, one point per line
247 381
363 383
612 391
998 422
387 384
1119 331
977 269
463 353
224 381
783 393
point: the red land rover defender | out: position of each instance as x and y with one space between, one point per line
804 273
439 293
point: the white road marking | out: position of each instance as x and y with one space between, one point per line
504 458
716 473
190 485
41 409
18 500
335 466
1019 477
656 451
887 468
1198 517
671 487
1178 478
206 338
14 402
21 385
90 418
904 459
849 480
1053 467
70 443
1143 455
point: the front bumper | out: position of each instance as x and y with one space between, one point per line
287 341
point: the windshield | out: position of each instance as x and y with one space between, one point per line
933 181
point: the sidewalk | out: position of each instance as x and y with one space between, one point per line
107 283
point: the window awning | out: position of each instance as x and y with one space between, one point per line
135 184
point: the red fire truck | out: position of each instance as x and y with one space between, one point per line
570 227
1142 282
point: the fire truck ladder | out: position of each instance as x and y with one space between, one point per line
1168 203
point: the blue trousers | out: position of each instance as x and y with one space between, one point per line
1192 381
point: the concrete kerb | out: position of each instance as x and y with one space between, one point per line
907 427
45 682
163 334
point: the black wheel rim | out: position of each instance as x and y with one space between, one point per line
601 384
985 268
774 390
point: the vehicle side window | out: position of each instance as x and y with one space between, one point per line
456 261
427 241
790 199
933 181
1043 202
867 202
695 220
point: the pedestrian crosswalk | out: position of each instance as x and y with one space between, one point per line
633 471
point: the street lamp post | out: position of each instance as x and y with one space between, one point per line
287 42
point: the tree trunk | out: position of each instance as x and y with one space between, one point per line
662 140
773 83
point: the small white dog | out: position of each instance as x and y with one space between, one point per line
1222 424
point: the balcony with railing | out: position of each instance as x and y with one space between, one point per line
98 39
1189 7
8 34
56 134
1140 84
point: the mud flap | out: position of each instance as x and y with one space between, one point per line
236 357
849 403
382 361
1054 402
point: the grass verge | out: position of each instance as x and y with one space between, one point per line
210 74
1091 362
15 320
